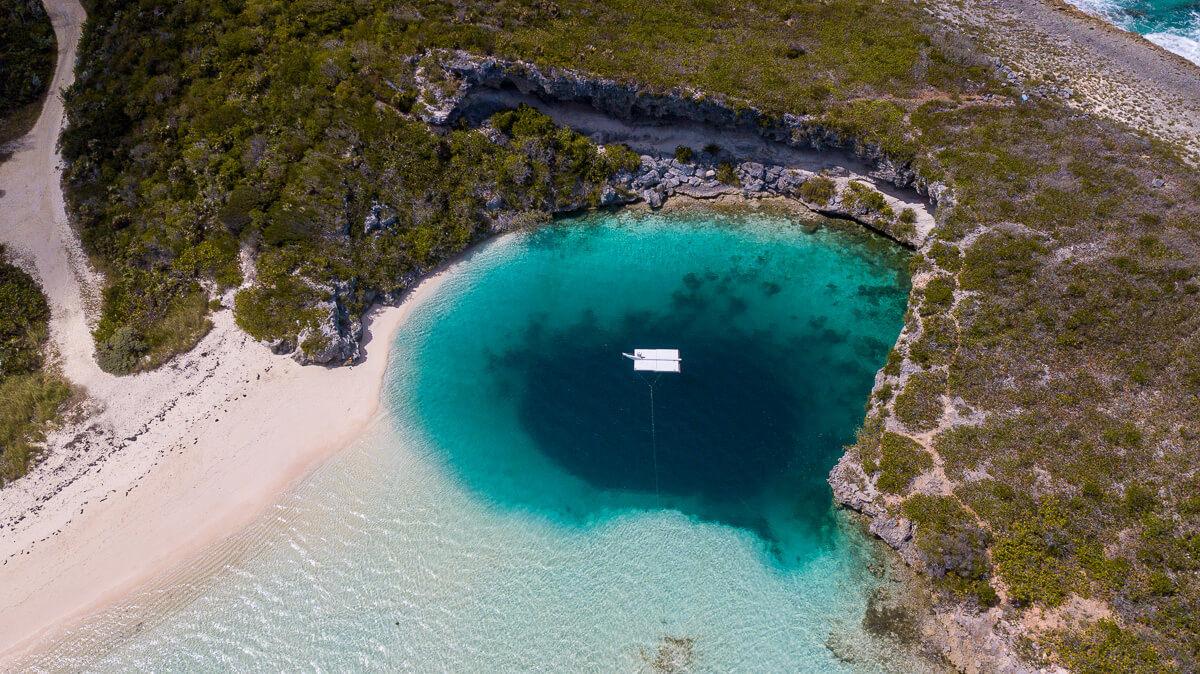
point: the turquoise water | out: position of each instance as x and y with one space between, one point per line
514 512
522 380
1172 24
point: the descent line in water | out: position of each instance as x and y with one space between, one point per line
654 442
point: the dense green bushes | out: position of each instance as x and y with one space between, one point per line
1105 647
818 190
31 403
31 398
952 546
23 317
919 405
178 164
26 63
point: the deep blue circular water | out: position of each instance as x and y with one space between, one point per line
521 382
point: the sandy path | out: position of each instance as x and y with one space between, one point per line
33 219
167 462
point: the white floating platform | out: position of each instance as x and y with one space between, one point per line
655 360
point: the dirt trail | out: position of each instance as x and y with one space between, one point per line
33 218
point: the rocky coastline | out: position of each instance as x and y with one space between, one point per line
967 637
451 86
459 88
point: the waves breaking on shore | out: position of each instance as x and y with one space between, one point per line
1173 25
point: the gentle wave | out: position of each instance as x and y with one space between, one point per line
1187 46
1176 29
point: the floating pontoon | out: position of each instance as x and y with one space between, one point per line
654 360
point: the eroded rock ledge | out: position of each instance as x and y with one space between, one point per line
457 85
736 150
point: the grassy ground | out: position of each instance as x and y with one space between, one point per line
1052 372
31 395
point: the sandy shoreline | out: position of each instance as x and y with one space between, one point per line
250 429
159 466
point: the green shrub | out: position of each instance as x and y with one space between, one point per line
1161 584
946 256
997 261
900 230
683 154
24 314
901 460
27 49
919 405
1124 435
621 158
952 547
276 312
817 190
31 404
239 208
122 352
908 216
1032 557
181 327
878 122
1105 647
894 359
1139 499
939 295
861 195
524 121
726 174
1112 573
936 343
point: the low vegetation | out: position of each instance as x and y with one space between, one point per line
1060 326
818 191
900 461
31 395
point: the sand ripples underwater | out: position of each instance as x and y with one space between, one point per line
486 524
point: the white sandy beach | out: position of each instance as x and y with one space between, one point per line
166 463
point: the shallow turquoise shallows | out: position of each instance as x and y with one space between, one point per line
518 510
1172 24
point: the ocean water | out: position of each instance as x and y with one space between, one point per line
516 510
1172 24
